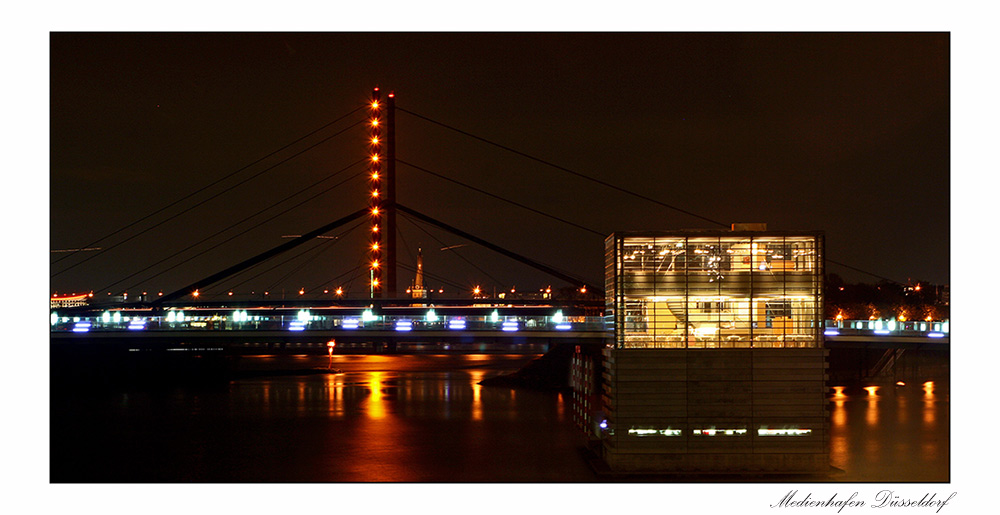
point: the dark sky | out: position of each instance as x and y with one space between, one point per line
845 133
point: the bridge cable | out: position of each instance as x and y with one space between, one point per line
290 258
443 244
603 183
561 270
570 278
182 199
330 242
357 273
238 223
828 260
562 168
258 174
263 256
435 277
313 257
349 271
409 251
533 210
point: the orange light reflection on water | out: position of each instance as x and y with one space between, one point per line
334 397
477 401
376 403
839 443
871 414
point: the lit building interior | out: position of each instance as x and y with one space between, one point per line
715 290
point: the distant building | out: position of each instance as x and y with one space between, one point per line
717 361
69 301
417 289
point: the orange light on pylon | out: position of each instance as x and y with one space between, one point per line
375 283
374 193
374 246
375 264
375 122
375 104
374 228
374 158
375 176
340 291
375 140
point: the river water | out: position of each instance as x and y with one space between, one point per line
416 418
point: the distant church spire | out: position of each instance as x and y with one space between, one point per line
419 283
417 291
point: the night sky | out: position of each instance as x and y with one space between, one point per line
845 133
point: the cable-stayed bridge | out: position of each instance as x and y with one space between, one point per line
372 305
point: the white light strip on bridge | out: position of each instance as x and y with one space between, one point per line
654 432
783 432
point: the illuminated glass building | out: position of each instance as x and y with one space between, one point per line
717 360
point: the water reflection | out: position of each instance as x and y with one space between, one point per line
901 438
871 414
334 396
422 419
376 406
475 376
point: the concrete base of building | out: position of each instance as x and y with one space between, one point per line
715 411
718 463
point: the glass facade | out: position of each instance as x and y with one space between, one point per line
718 289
